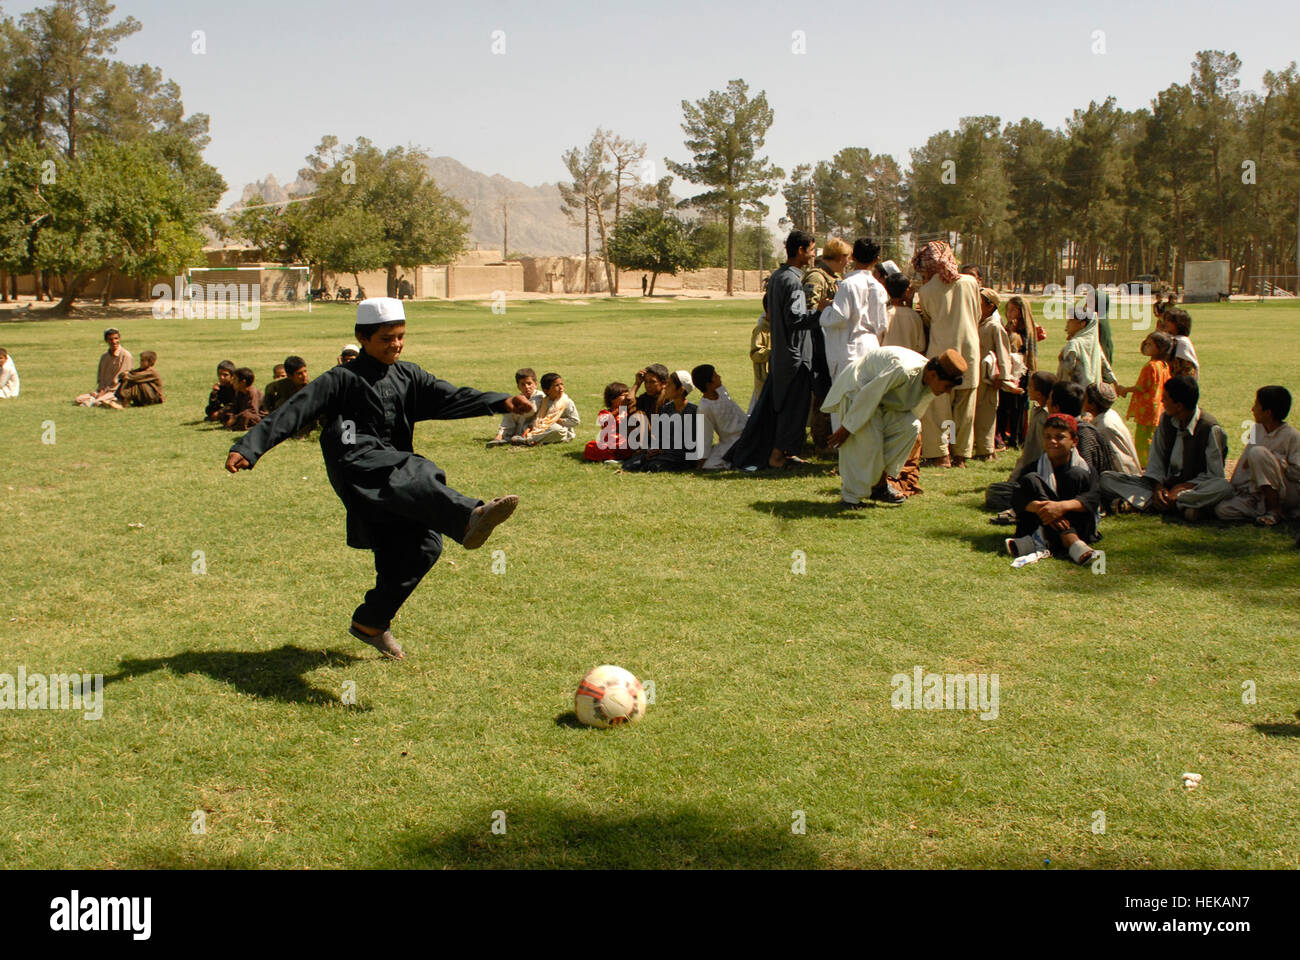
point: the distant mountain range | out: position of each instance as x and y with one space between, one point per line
537 226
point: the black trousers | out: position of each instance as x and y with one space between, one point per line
644 463
404 526
402 559
791 422
769 428
1031 487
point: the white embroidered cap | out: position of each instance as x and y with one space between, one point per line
377 310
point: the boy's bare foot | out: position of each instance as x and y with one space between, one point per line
381 640
485 518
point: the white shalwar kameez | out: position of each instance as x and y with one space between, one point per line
879 398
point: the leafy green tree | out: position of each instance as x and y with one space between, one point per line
724 133
123 207
412 221
655 240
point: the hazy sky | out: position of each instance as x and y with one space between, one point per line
277 75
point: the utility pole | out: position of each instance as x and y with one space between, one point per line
812 210
505 235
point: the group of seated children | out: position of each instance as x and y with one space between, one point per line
1056 505
238 405
554 418
660 429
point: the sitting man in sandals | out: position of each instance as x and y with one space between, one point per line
1266 483
1184 470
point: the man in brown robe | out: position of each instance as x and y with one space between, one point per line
116 360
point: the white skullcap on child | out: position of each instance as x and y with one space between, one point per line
378 310
684 378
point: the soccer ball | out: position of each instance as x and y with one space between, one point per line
609 696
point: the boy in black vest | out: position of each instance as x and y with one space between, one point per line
1185 470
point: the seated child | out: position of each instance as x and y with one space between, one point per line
9 383
673 430
998 495
616 424
721 415
1067 397
293 377
653 376
246 411
1177 322
515 424
1144 396
557 416
1056 505
1098 399
222 396
141 387
1266 482
1185 469
278 372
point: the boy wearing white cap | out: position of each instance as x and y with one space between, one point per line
398 504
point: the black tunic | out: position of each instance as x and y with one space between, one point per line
368 411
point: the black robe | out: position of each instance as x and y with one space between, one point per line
368 411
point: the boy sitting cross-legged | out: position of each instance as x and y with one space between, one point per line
515 424
1056 505
1266 482
557 416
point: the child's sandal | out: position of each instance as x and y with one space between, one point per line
1269 519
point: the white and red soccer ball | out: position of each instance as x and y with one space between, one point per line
609 696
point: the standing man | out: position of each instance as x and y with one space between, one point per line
951 301
820 281
115 361
774 434
857 319
878 398
398 504
995 374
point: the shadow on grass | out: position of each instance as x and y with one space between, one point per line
804 509
268 674
1278 729
569 720
168 858
542 837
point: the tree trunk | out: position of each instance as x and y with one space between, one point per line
361 291
392 280
731 245
586 248
604 250
71 291
653 277
108 289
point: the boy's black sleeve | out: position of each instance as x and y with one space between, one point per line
439 400
304 408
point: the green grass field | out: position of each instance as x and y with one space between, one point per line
225 690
